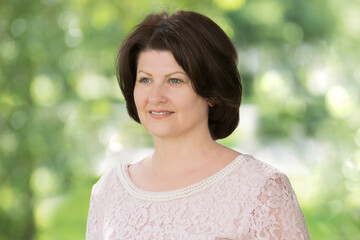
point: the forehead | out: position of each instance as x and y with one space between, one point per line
155 60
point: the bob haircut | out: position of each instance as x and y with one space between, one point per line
205 53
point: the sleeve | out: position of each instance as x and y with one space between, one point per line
96 211
276 213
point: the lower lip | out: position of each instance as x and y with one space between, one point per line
160 116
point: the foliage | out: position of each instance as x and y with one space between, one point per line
62 113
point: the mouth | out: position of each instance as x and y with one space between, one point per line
159 113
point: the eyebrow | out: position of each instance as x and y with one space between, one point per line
167 75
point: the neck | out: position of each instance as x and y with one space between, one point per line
182 153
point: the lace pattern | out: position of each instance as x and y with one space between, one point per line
252 201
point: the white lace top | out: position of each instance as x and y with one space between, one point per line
247 199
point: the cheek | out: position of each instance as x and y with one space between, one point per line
137 98
199 107
138 103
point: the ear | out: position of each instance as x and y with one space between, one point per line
210 102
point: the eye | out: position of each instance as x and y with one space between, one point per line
174 81
144 80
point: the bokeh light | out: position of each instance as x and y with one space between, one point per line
44 90
340 102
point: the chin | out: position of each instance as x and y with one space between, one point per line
160 133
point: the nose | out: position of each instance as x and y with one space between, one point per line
157 94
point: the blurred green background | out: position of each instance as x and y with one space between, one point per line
63 122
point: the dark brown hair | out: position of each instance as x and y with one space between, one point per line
202 49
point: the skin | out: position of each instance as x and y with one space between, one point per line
177 118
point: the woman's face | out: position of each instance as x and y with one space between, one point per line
166 102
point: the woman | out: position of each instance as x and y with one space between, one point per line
179 77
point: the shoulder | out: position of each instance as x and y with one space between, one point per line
259 176
274 209
268 184
105 184
258 169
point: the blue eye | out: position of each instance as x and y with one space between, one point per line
175 81
144 80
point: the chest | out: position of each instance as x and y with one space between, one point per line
206 216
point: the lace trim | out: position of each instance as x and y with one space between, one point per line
139 193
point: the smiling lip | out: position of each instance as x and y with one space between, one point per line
160 114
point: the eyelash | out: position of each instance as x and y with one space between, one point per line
142 80
171 80
176 79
